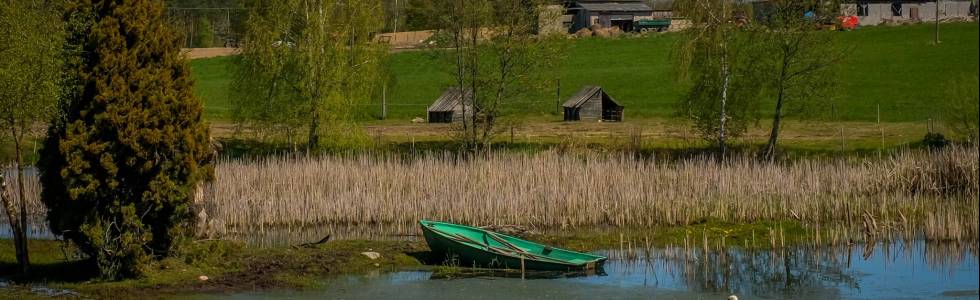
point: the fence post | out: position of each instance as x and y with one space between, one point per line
558 95
882 129
384 101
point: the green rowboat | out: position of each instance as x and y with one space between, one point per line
482 248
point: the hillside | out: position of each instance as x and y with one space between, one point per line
896 67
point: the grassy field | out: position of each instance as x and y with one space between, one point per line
897 68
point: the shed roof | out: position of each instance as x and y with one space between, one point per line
449 100
584 95
615 6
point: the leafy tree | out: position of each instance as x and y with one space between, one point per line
962 107
30 37
420 15
799 60
204 33
494 53
718 59
308 62
120 164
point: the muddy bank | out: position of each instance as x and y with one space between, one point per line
205 267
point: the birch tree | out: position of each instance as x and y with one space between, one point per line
716 58
30 37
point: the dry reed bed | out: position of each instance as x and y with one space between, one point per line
36 210
932 191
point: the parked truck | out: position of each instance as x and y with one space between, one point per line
652 25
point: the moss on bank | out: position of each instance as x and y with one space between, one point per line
229 266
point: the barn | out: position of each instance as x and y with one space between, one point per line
874 12
448 108
607 13
592 103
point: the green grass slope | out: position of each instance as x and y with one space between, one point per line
897 68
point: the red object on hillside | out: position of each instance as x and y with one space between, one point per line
849 22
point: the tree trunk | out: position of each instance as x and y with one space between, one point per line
25 261
18 224
722 139
11 211
314 138
770 151
22 195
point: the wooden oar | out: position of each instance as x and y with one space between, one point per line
523 252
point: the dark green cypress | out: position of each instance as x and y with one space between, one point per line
121 163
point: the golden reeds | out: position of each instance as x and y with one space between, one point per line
550 190
935 192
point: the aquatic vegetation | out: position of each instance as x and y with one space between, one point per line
913 189
917 193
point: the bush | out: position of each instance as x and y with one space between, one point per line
962 107
120 165
935 140
204 33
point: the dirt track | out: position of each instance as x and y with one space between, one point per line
195 53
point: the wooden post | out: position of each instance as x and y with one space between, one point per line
558 95
384 101
882 129
842 139
522 267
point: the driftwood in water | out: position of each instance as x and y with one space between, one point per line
314 244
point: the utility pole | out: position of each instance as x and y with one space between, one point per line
937 22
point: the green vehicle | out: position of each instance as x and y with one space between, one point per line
651 25
482 248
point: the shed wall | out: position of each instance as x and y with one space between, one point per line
881 12
592 109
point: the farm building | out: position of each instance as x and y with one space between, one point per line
878 12
592 103
606 13
448 108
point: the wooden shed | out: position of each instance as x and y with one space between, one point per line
448 108
592 103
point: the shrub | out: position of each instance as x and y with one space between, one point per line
935 140
962 107
120 165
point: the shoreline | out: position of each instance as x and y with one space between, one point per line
231 266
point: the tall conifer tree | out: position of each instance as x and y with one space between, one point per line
122 161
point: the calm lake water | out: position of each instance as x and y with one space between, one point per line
914 270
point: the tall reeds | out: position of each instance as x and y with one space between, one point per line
933 192
551 190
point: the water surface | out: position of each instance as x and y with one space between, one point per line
916 270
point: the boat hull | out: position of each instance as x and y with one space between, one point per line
466 255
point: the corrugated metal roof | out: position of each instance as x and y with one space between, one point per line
615 6
582 96
451 98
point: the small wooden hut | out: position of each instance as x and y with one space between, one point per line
592 103
448 108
